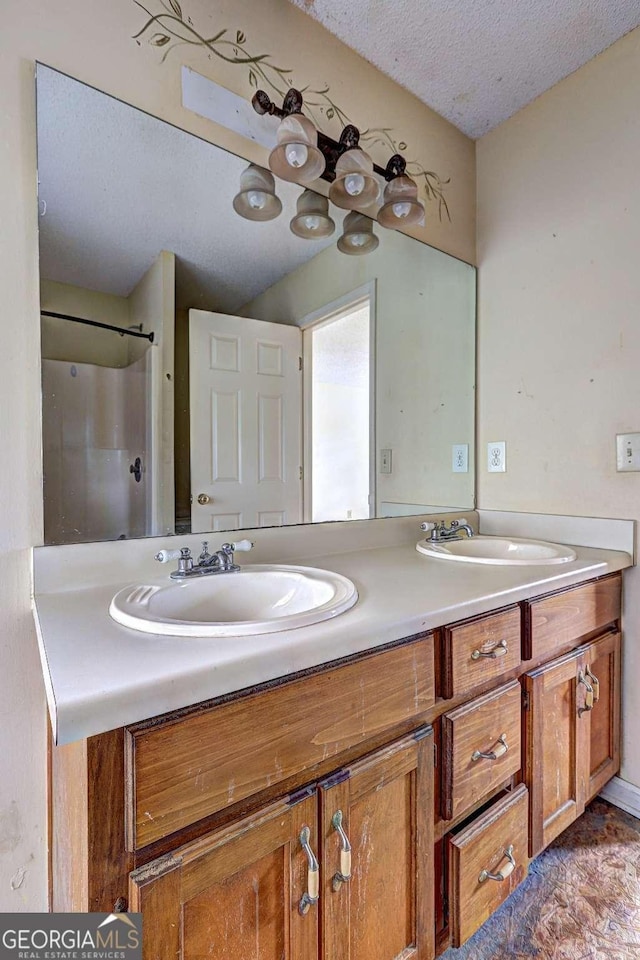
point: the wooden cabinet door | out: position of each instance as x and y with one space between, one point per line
234 893
602 668
384 805
556 736
572 733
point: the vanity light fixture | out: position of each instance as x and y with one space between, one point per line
357 237
296 157
401 205
332 150
304 154
257 198
355 185
312 220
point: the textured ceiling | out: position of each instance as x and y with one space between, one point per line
476 62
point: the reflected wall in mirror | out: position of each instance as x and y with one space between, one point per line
197 412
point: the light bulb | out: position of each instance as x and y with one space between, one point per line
311 222
354 184
401 210
358 239
256 199
296 154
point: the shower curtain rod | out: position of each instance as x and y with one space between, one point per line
103 326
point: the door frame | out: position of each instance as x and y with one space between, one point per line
318 318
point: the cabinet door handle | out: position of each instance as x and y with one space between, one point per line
588 697
500 650
313 874
503 872
343 875
595 683
499 751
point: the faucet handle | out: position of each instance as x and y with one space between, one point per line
427 526
242 546
164 556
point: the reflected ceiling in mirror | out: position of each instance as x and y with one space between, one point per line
214 426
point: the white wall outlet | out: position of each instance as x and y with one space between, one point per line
460 458
385 461
497 456
627 451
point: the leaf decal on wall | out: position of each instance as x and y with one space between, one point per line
179 32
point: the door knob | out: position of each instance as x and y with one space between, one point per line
203 498
136 469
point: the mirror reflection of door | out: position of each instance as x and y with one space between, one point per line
339 413
245 402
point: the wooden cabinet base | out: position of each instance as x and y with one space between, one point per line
298 820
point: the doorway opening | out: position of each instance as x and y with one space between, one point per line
339 412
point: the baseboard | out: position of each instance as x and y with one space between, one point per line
622 794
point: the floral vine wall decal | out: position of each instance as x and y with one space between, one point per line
169 28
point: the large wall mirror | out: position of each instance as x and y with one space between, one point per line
205 372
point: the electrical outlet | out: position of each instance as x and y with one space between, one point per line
497 456
385 461
627 451
460 457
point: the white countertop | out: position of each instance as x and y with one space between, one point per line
100 675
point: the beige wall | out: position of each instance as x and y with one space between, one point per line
424 314
62 340
93 41
559 288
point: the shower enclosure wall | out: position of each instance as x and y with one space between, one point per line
97 476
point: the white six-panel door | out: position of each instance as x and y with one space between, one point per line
246 422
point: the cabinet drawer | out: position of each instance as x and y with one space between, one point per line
185 768
474 737
554 624
480 650
495 843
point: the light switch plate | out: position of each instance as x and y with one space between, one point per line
460 458
627 451
497 456
385 461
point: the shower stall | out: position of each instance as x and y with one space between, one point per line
95 451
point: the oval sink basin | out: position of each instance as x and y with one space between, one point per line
510 551
261 598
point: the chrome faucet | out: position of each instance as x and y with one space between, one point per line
440 531
222 561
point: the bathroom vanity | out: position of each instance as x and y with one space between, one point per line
380 804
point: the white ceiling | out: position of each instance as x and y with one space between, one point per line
476 62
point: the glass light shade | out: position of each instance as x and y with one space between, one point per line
401 205
257 197
312 220
297 157
358 237
355 185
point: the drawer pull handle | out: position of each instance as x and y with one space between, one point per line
504 872
595 683
500 650
343 875
588 697
313 874
501 748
